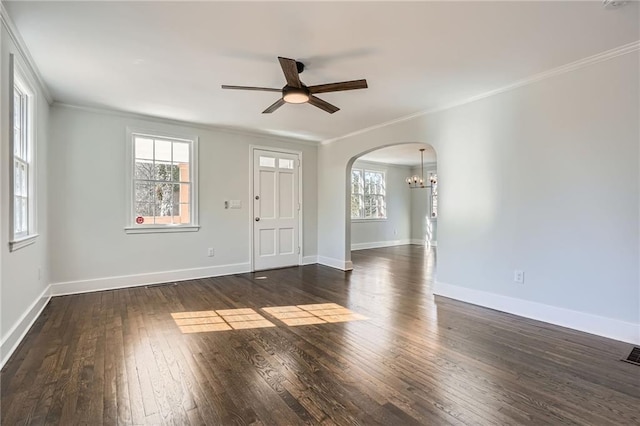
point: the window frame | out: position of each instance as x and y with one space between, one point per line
362 217
131 226
19 79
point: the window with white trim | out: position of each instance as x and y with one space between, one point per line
368 194
22 188
163 183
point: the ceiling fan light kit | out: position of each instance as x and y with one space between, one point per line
294 95
296 92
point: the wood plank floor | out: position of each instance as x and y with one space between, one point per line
120 357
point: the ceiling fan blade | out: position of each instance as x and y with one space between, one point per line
337 87
277 104
290 70
262 89
317 102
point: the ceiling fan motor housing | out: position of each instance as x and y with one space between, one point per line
295 95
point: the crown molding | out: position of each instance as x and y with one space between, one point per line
170 121
24 52
572 66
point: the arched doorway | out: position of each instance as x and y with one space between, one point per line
391 197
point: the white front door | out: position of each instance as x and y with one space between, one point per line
276 209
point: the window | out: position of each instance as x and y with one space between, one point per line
23 214
368 192
163 187
433 179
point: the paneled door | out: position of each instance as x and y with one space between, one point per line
276 209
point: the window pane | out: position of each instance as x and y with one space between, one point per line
164 199
167 171
267 161
183 216
356 181
180 152
143 148
144 210
163 151
17 214
144 170
284 163
17 109
145 193
356 206
17 142
17 178
183 172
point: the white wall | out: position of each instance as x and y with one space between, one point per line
89 247
543 178
396 229
23 289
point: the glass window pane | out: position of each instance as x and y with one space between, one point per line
284 163
267 161
17 109
164 199
356 206
183 172
17 142
183 215
145 193
181 152
24 181
143 148
144 210
144 170
166 171
17 179
163 151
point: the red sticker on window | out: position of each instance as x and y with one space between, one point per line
139 220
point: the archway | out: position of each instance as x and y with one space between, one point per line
382 208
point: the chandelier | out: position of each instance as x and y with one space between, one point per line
418 182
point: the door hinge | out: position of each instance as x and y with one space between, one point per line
298 250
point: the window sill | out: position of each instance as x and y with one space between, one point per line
22 242
161 229
367 220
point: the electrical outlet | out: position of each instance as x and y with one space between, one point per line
210 252
518 276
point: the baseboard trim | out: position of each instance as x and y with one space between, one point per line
380 244
112 283
589 323
335 263
15 336
310 260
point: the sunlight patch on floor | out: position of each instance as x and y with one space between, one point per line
221 320
313 314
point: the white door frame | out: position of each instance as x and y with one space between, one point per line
252 149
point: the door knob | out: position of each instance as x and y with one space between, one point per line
257 219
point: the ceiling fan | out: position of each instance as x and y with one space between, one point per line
296 92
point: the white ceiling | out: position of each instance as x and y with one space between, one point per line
403 155
168 59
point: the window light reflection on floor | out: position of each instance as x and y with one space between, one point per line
247 318
221 320
313 314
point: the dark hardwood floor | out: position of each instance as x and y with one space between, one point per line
120 357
